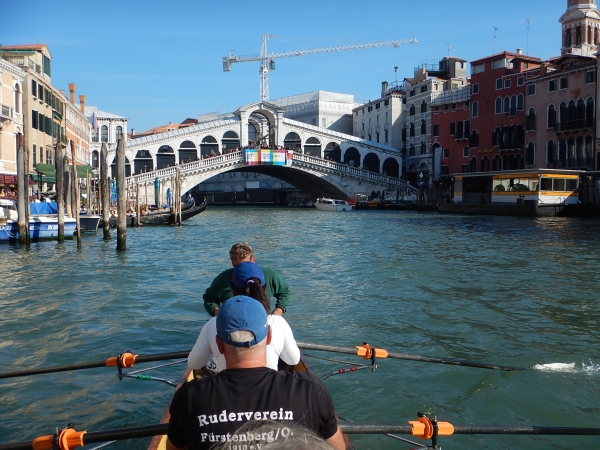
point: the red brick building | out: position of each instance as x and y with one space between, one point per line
498 110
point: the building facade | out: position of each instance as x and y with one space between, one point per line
77 127
12 79
498 110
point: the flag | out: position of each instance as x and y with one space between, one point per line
95 123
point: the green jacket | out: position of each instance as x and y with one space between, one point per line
220 290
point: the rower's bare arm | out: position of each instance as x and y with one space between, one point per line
337 440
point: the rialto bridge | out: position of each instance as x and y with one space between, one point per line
323 162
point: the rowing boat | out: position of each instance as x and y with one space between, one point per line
160 442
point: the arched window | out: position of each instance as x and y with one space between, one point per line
550 152
551 116
580 110
423 127
520 102
564 113
530 154
423 148
498 105
530 120
475 109
412 110
497 163
104 134
412 130
506 104
589 112
513 105
118 133
568 38
497 136
485 164
423 107
473 164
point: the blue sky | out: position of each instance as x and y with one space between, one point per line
157 62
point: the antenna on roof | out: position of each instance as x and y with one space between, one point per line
396 70
527 48
495 29
448 45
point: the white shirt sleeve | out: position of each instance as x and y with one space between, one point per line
290 353
201 352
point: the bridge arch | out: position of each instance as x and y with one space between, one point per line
333 152
312 147
391 168
230 140
165 157
208 146
187 152
143 161
292 140
371 162
352 157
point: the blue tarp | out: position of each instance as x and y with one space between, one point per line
43 208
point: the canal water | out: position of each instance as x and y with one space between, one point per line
503 290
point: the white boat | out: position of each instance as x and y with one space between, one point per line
41 226
331 204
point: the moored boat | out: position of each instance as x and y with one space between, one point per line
331 204
41 226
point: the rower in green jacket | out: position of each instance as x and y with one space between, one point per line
220 289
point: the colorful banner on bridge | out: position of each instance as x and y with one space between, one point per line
265 156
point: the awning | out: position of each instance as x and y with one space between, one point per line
49 170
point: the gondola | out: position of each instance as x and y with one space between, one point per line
160 442
188 210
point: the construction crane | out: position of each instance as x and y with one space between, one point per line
267 60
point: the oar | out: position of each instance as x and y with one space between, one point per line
125 360
76 439
457 362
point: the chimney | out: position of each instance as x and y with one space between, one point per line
519 51
133 131
544 69
72 93
81 102
384 88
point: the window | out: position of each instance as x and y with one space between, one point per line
506 104
531 89
33 88
466 152
590 77
412 130
370 108
363 111
423 148
475 88
412 110
530 120
564 83
34 120
386 103
445 170
446 153
507 83
424 88
551 116
453 107
377 105
436 130
498 105
423 127
549 153
356 113
499 83
34 156
465 168
119 133
520 81
453 128
520 102
423 107
40 92
475 109
411 93
551 85
104 133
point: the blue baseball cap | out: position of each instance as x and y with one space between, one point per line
242 313
244 271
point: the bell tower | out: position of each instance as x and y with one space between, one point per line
580 28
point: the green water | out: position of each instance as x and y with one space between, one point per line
514 291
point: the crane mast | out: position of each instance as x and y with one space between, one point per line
267 60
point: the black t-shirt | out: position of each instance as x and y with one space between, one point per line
209 411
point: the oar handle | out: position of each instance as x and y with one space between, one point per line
452 361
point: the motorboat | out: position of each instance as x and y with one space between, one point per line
41 226
331 204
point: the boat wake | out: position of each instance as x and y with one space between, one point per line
569 367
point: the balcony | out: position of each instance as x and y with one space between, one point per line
573 163
511 112
574 125
462 136
23 61
6 112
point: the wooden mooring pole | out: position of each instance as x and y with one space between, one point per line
121 200
76 197
60 190
105 192
22 200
